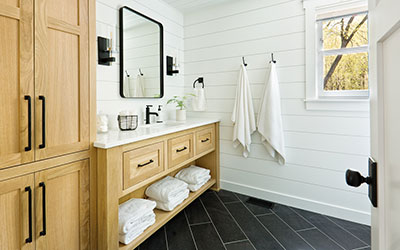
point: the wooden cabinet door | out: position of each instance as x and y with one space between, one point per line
16 81
61 77
14 213
65 190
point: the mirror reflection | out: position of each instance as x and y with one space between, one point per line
141 55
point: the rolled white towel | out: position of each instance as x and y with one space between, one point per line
135 232
166 189
195 187
169 206
193 174
133 210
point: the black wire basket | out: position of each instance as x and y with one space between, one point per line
127 122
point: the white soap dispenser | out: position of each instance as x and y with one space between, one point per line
160 117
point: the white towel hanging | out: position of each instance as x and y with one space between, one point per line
243 114
269 120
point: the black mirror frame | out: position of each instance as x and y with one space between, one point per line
121 42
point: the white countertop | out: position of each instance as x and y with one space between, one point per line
116 138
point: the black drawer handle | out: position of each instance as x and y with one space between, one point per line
29 190
182 149
205 140
43 99
145 164
43 186
29 99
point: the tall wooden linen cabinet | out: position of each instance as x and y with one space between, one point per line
47 124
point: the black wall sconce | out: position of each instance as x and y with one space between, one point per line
104 51
170 66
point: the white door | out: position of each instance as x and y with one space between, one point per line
385 120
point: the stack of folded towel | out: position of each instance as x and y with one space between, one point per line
195 176
134 217
168 193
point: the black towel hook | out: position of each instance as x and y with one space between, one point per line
244 62
272 58
140 71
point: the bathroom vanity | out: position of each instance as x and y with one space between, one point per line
128 162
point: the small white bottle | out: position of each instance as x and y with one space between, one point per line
160 117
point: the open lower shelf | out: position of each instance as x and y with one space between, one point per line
162 217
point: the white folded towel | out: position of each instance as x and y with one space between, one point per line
199 100
166 189
135 232
193 174
269 120
133 210
195 187
169 206
243 117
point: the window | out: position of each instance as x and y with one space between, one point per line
336 41
343 56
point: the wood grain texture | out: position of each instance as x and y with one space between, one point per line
110 175
67 207
134 162
61 74
180 149
14 213
16 81
205 139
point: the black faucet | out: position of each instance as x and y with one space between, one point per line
148 113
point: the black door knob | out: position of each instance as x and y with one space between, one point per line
355 179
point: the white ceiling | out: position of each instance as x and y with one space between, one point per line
191 5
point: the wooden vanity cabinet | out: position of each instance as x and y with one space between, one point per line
126 171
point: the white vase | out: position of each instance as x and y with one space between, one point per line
180 115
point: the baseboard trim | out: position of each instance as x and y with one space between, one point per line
298 202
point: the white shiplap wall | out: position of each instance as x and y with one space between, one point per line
107 21
320 145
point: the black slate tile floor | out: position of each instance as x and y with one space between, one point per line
227 221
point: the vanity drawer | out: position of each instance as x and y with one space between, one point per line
180 149
205 139
142 163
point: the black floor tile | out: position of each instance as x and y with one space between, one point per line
255 209
195 213
285 235
362 232
223 221
256 233
336 233
206 237
291 218
319 240
178 234
227 196
156 241
243 245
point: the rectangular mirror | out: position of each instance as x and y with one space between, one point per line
141 54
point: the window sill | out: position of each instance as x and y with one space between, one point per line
338 104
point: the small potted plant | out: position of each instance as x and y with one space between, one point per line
181 105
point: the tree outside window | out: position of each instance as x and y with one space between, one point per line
343 54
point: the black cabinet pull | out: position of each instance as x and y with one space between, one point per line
29 190
182 149
43 99
29 99
144 164
205 140
43 186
